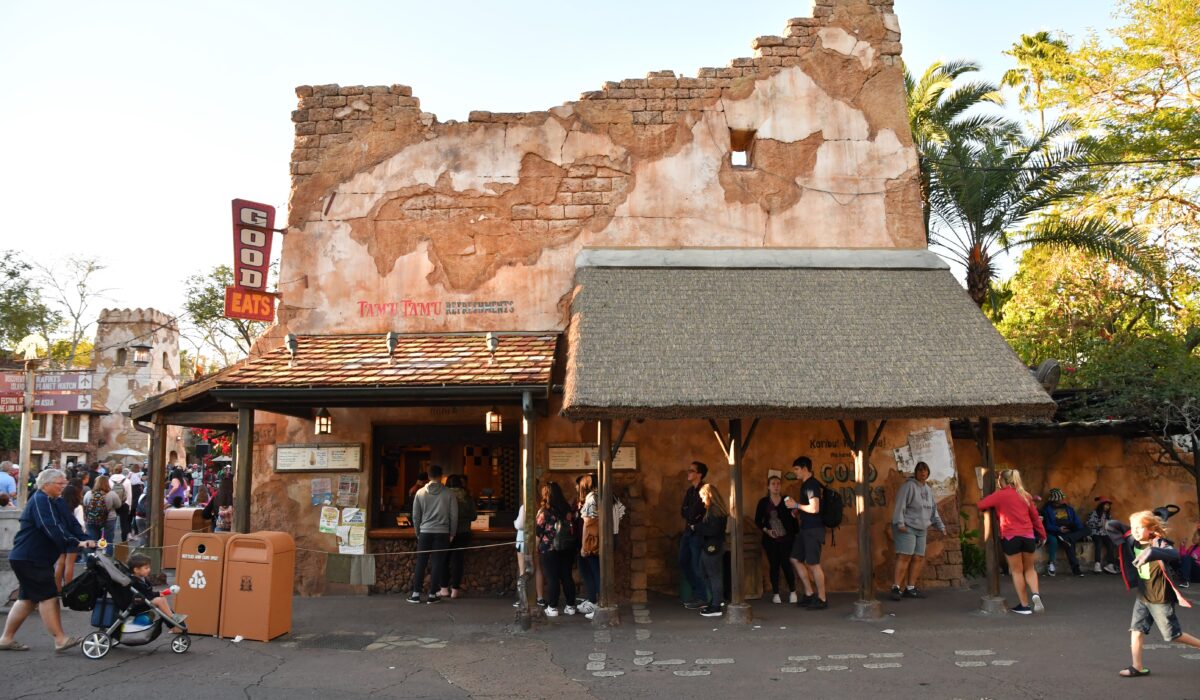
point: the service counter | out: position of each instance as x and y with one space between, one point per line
490 571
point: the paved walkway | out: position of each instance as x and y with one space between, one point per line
382 646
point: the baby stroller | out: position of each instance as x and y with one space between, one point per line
120 615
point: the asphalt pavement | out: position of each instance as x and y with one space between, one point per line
381 646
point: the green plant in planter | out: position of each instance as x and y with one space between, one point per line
974 563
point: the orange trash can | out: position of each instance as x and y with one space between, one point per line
199 574
178 522
256 594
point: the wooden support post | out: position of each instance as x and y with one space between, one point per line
526 590
867 607
242 478
992 603
607 613
155 488
737 612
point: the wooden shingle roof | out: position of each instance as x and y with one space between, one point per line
802 334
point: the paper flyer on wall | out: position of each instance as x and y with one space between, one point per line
347 493
322 492
351 539
329 520
354 516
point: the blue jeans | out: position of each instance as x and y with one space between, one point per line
589 570
689 561
108 532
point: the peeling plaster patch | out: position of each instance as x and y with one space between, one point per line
891 22
790 106
838 39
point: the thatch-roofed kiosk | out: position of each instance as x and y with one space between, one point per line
735 335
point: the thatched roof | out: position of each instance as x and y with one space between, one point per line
803 334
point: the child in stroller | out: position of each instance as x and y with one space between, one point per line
127 609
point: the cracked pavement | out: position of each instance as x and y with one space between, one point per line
938 648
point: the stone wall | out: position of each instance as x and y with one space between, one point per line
390 205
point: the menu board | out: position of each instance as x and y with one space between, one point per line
579 458
318 458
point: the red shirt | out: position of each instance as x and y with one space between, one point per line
1018 517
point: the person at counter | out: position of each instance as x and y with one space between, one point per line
457 485
435 519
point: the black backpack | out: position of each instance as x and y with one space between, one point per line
832 511
82 593
564 536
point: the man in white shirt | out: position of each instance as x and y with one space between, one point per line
119 481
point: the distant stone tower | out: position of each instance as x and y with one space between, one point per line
136 357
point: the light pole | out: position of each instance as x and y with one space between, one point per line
31 345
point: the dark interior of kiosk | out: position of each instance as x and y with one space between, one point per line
490 463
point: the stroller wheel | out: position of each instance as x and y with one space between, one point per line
181 643
96 645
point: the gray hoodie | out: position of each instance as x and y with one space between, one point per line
916 507
435 510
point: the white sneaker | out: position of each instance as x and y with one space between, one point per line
1037 604
1096 568
590 615
776 599
569 610
553 612
586 607
793 598
1050 569
1111 569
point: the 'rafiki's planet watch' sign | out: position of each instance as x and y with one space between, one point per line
248 299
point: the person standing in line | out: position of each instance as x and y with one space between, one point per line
692 512
915 512
711 532
522 543
1102 547
1145 554
1062 526
1020 530
778 534
42 536
1189 560
557 547
100 513
8 484
462 539
435 519
120 485
70 505
589 544
806 550
137 487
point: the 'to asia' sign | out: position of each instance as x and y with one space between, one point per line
253 224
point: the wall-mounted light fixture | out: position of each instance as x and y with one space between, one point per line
292 345
392 341
493 342
141 355
323 423
493 421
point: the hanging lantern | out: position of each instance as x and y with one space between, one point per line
493 422
323 425
141 355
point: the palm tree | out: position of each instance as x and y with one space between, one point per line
996 189
936 107
1038 56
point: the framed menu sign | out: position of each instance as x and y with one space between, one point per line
318 458
584 457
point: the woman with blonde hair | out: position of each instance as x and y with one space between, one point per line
711 531
1020 531
100 513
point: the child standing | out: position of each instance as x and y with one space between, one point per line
139 566
1145 554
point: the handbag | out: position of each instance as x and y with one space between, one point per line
591 537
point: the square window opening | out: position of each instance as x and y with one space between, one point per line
741 144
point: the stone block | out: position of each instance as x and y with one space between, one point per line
306 167
633 83
662 83
334 139
480 116
375 89
402 90
637 565
578 211
320 114
571 184
333 101
639 550
890 48
949 571
352 90
408 103
383 125
524 211
329 127
304 91
647 117
593 95
649 93
771 61
300 115
324 90
383 99
581 171
764 41
309 102
620 93
637 580
598 184
638 596
588 198
308 141
306 129
550 211
655 105
934 583
670 116
634 105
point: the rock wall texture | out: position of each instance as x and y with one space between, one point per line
391 206
121 386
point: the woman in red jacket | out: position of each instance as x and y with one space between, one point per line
1020 531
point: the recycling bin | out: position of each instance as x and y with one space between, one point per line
201 566
256 590
178 522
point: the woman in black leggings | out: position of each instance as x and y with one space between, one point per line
779 529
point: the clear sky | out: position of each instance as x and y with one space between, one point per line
129 126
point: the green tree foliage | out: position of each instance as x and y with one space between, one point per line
10 432
1040 59
22 311
204 307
